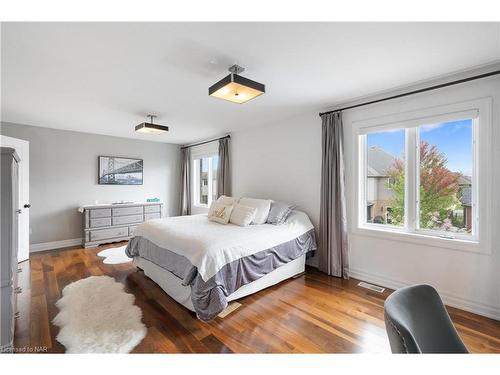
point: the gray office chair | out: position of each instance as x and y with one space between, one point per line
417 322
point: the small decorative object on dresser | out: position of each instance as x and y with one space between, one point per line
105 223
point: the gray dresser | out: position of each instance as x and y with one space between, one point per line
9 242
115 222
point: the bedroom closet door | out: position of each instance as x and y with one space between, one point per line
22 148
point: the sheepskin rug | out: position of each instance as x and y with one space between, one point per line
97 316
115 255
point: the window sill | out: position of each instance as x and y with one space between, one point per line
471 246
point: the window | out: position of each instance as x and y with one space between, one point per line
445 177
205 179
385 187
419 177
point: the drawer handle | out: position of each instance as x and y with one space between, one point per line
17 315
18 290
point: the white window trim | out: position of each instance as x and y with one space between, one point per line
199 152
481 243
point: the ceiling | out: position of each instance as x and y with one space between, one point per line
105 77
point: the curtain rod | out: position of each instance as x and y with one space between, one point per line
415 91
202 143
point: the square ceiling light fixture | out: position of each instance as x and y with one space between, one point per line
235 88
150 128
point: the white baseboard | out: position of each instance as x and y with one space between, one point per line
449 299
54 245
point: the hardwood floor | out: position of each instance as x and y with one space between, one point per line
314 313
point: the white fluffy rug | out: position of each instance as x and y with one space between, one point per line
115 255
97 316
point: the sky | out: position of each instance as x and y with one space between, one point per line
204 163
453 138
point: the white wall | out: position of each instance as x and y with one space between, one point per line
281 162
63 176
465 279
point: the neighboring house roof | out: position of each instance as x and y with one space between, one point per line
466 196
465 180
379 162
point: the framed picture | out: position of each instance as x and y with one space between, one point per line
115 170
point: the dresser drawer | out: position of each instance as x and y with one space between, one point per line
131 219
131 230
102 222
122 211
100 212
96 235
154 215
151 209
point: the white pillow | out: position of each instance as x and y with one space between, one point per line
219 213
228 201
242 215
262 205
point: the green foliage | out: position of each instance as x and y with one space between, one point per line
397 185
436 207
438 190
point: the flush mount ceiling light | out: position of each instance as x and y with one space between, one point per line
235 88
150 128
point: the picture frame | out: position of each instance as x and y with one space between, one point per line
118 170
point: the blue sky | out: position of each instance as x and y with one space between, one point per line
204 163
453 138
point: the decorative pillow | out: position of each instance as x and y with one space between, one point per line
262 205
219 213
279 212
242 215
228 201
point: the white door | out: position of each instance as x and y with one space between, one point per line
22 148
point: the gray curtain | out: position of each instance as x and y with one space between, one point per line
223 172
333 247
185 200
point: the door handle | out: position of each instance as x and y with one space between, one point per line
27 205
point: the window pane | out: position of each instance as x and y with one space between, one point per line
385 177
446 160
215 165
203 180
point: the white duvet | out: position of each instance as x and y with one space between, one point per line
209 246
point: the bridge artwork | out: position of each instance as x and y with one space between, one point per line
120 171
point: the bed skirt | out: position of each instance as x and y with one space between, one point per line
173 286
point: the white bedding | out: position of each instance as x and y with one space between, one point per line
209 246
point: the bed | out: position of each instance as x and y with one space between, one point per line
203 264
